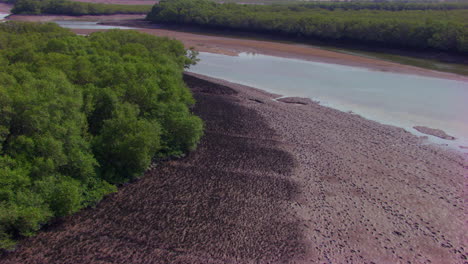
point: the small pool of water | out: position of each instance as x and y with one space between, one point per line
391 98
87 25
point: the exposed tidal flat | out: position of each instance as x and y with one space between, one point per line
403 100
275 181
281 180
4 11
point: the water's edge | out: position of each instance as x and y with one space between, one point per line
389 98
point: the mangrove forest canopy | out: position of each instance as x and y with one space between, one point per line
79 114
72 8
436 26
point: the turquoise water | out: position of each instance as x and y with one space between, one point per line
402 100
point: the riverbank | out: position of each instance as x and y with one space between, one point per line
5 8
92 18
234 46
285 181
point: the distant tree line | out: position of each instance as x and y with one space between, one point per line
437 29
67 7
319 2
385 5
79 114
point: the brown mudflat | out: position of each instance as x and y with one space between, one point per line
434 132
227 202
5 8
275 182
369 193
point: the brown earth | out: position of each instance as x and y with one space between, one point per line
296 100
433 132
5 8
227 202
275 182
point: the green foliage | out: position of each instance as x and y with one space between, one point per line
78 114
66 7
126 144
392 5
381 24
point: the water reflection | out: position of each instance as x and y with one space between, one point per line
87 25
391 98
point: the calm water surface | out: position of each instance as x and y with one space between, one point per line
390 98
86 25
3 15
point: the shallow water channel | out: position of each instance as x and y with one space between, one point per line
402 100
3 15
86 25
391 98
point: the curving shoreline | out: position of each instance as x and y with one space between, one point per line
275 182
233 46
434 132
369 192
5 8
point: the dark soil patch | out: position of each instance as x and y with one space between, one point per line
203 86
227 202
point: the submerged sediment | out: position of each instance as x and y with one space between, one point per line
275 181
434 132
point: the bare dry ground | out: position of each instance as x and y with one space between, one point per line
285 181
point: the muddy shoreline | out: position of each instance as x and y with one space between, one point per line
434 132
285 181
5 8
231 33
93 18
233 46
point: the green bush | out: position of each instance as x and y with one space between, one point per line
78 114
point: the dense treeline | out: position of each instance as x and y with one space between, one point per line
66 7
443 30
366 4
78 114
391 6
382 5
